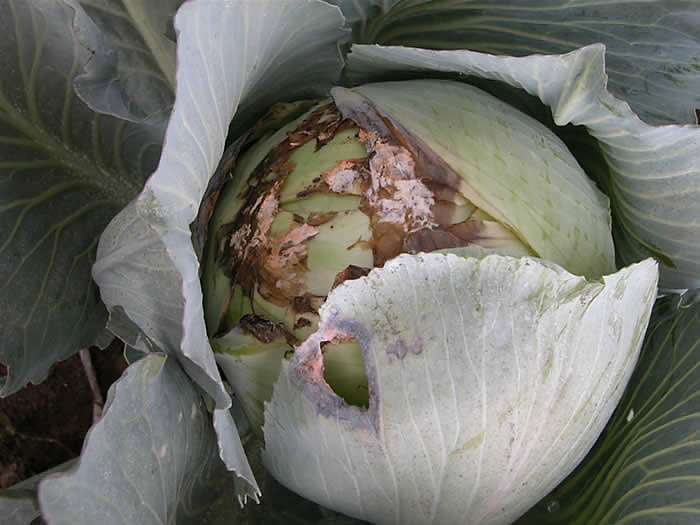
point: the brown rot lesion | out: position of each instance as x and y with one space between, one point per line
403 198
341 191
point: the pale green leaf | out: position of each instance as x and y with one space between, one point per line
645 468
251 367
489 381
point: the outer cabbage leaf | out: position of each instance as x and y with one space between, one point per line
64 173
131 73
279 505
652 45
18 503
151 459
489 381
18 506
358 12
654 172
644 468
146 261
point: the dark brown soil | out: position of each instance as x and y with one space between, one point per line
44 425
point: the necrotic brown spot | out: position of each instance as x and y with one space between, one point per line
302 322
409 194
302 304
412 198
248 254
262 329
349 273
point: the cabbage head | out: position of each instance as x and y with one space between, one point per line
399 261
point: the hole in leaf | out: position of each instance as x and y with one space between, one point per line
344 371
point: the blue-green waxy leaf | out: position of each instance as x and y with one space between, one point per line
152 459
645 467
19 504
146 262
131 71
18 507
360 11
653 49
654 171
64 173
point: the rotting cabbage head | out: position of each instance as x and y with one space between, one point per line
379 170
492 373
488 369
304 420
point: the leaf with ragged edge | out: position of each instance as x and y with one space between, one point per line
152 459
653 49
131 73
64 173
654 171
489 380
146 262
645 468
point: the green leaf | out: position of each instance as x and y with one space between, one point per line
64 173
358 12
653 52
251 367
18 503
654 172
134 269
18 507
489 381
278 506
131 73
146 262
645 468
151 459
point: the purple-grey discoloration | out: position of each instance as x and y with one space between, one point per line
306 372
400 348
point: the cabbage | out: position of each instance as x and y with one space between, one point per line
398 401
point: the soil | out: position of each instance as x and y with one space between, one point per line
44 425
